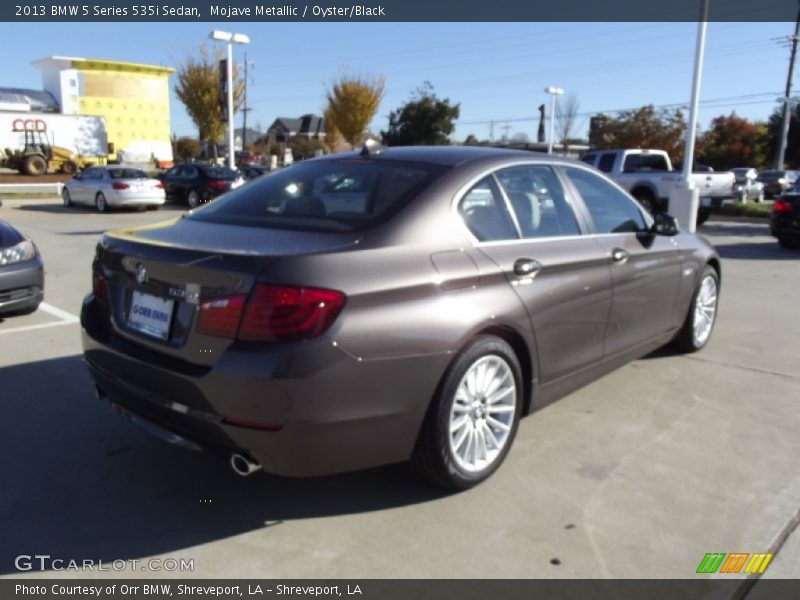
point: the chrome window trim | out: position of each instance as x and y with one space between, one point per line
524 162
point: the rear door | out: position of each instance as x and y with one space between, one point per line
525 223
645 268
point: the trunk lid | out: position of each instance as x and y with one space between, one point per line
158 275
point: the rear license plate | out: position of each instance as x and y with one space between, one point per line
151 315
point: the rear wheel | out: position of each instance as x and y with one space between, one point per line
66 197
786 242
647 199
702 314
472 421
35 165
69 167
193 199
100 202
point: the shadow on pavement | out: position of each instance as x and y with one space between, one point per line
768 250
725 228
78 482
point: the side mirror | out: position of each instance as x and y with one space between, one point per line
664 224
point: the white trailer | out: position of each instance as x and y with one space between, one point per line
84 135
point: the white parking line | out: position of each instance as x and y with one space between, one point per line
64 317
57 312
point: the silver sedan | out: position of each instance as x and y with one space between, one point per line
112 187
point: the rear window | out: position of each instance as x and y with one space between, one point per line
216 172
323 195
644 162
127 174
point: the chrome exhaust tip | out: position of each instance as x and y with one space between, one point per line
243 466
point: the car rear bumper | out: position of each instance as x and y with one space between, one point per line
21 286
332 412
121 200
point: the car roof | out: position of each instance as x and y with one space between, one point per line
446 155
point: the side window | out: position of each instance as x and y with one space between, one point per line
607 162
484 212
537 198
189 171
589 158
611 209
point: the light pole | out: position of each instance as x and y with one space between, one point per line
553 91
230 39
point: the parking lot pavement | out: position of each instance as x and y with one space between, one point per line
636 475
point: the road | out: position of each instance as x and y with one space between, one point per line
636 475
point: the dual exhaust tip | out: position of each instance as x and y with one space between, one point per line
243 466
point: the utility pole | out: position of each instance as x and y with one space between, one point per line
505 128
491 131
787 103
245 109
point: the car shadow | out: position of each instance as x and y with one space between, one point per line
767 250
726 228
80 483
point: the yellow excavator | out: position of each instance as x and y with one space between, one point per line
38 156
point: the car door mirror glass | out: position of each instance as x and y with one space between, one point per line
664 224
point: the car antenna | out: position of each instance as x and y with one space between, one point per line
371 148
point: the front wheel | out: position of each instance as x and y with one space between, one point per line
66 197
702 315
193 199
473 419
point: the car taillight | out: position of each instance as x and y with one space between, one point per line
781 207
120 186
217 184
159 185
271 313
221 316
99 288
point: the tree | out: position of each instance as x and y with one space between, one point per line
521 138
332 134
792 156
566 118
471 140
732 141
352 104
425 120
645 127
197 88
187 148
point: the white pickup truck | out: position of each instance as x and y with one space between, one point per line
649 177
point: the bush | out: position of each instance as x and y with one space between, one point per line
761 211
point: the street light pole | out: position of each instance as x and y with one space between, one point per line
231 39
553 91
787 107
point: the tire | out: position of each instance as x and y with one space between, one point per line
193 199
100 203
786 242
35 165
647 199
154 207
69 167
689 339
66 197
453 460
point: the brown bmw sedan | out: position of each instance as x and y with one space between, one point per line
390 305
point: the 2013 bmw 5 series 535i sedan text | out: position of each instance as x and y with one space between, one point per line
390 305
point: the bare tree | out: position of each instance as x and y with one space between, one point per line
566 118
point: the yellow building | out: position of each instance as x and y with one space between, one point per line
132 98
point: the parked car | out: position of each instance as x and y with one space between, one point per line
195 183
250 172
785 221
776 182
406 303
21 272
113 187
747 188
247 158
649 176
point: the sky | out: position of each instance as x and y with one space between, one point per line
495 71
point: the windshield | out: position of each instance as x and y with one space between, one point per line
215 172
323 195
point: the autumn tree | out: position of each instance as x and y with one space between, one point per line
732 141
424 120
332 134
187 148
352 102
644 127
197 88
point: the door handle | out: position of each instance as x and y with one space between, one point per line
525 267
618 255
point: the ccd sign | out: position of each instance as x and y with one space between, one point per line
28 125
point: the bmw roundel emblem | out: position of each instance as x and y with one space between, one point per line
141 274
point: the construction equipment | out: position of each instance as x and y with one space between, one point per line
38 156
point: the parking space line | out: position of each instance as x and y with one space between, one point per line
57 312
64 317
